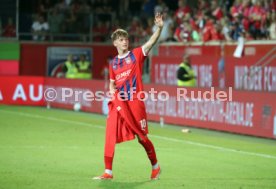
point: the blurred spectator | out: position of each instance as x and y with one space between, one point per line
236 30
62 6
195 32
272 27
105 71
103 6
83 18
75 6
84 68
227 5
257 16
70 22
186 76
115 25
183 32
55 20
200 14
148 28
44 6
10 29
135 30
182 10
100 32
103 10
216 32
265 25
40 29
211 30
221 68
216 10
225 28
85 7
272 5
236 9
204 20
1 27
70 68
196 35
244 15
201 20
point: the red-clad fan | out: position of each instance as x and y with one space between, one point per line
216 10
236 9
9 29
257 17
182 10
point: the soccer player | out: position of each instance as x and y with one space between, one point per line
127 118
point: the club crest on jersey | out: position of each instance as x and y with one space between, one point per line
128 60
114 66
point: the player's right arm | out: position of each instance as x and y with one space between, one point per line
112 85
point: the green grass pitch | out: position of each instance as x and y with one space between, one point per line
57 149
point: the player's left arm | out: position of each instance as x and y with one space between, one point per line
153 39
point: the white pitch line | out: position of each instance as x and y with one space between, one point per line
39 147
154 136
52 119
214 147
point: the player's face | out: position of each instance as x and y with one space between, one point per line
121 43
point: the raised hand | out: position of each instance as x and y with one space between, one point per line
159 20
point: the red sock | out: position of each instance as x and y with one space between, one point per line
108 162
150 150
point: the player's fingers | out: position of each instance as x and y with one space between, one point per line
157 14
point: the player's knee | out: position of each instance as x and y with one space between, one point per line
141 140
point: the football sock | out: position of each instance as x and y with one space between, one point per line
108 162
108 171
155 166
150 150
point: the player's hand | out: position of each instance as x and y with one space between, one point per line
112 87
113 91
159 20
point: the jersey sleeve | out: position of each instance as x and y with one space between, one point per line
140 55
111 73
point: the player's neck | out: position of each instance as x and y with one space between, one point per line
122 53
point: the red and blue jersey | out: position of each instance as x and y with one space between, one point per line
127 72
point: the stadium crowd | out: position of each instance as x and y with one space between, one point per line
185 20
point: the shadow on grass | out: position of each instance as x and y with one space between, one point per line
121 185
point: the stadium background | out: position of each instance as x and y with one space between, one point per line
207 30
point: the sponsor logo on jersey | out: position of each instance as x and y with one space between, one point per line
114 66
123 74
